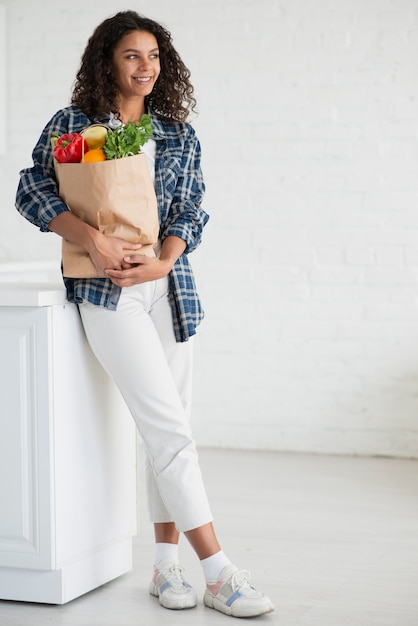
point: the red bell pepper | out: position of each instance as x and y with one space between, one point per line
69 148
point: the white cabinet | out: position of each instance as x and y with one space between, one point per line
67 455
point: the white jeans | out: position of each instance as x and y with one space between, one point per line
137 347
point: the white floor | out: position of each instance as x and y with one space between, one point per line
332 540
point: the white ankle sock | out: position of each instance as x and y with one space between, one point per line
213 566
166 551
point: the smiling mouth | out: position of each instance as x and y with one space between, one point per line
144 79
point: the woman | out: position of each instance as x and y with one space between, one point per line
141 313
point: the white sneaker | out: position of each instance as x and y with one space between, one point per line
170 587
233 595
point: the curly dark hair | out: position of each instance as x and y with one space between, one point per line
95 90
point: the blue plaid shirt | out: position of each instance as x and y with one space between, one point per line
179 189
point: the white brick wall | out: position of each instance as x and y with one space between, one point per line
309 269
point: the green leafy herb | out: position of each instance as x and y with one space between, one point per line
128 140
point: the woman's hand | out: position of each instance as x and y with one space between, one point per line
111 252
142 269
139 269
105 252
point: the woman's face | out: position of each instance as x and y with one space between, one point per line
136 64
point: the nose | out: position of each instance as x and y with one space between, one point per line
144 63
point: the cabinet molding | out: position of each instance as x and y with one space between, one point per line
67 457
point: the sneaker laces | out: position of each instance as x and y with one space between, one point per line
239 579
175 575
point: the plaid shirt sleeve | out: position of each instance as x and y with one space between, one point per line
37 194
179 175
180 189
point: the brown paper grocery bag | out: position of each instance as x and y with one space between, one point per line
117 197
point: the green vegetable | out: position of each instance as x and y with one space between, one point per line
128 140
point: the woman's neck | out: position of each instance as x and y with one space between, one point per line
131 111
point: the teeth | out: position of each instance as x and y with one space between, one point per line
143 80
